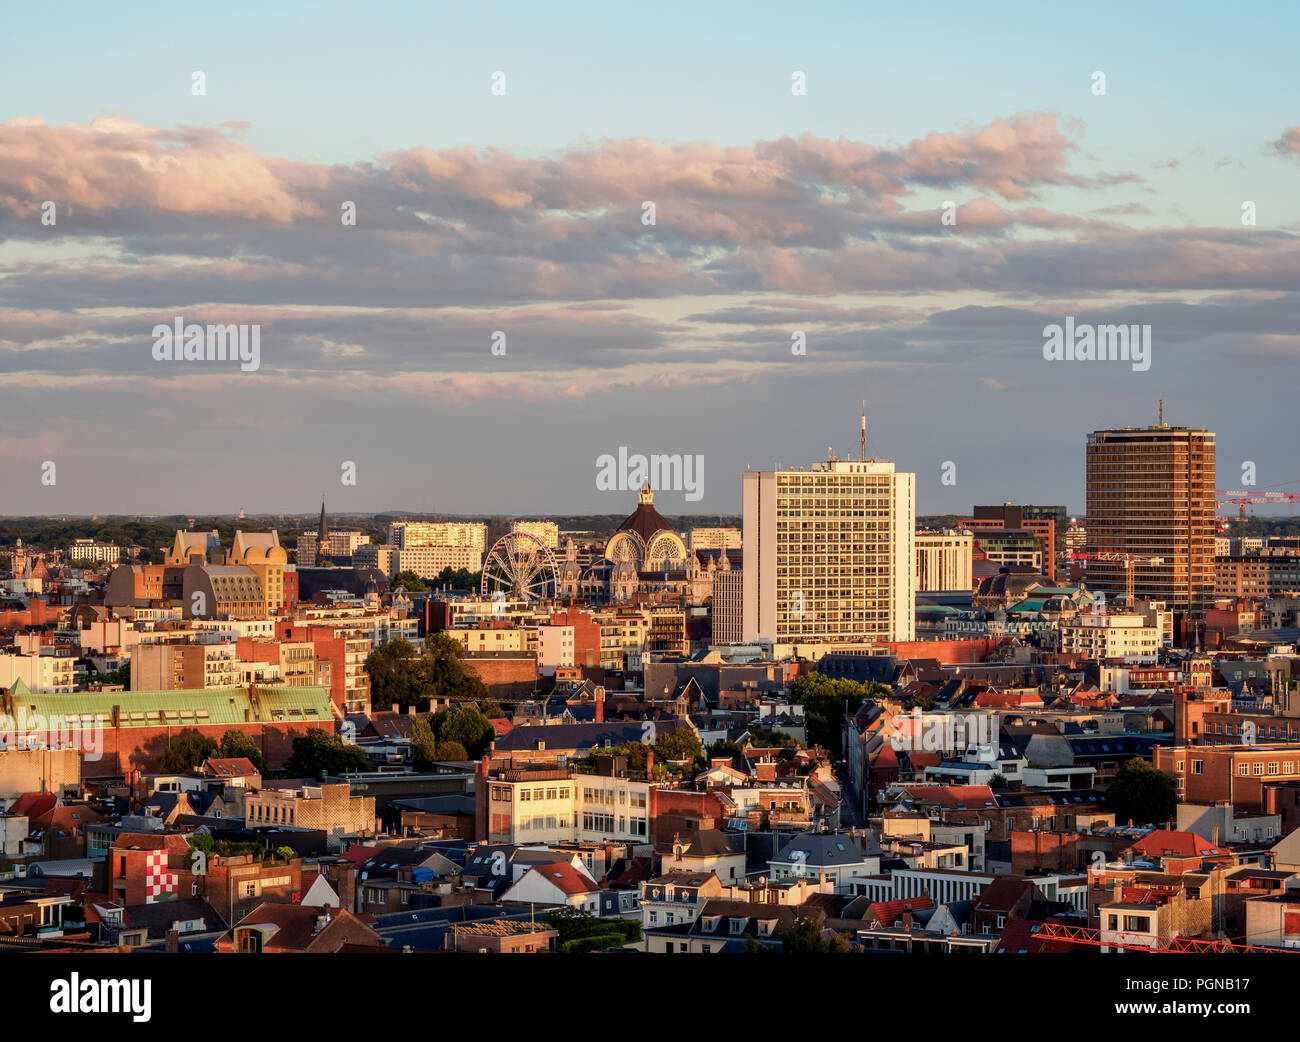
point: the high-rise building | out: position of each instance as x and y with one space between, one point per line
715 539
1151 494
943 560
728 602
829 554
1042 522
546 532
407 535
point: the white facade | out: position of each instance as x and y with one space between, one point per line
829 554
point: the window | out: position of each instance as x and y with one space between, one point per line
1198 766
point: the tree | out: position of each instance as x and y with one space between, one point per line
395 675
286 854
806 938
723 748
826 700
997 782
464 726
445 670
412 582
681 744
186 752
236 743
424 744
318 753
451 751
1142 794
121 675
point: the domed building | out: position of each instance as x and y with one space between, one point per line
645 540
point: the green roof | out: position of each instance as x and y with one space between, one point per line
218 705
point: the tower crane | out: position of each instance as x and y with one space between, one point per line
1128 560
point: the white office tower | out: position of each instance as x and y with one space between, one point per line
828 554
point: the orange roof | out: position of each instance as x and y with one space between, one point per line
1164 843
951 795
888 912
564 877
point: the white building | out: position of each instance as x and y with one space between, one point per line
829 554
90 551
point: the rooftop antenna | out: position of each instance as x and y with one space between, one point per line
863 457
1160 412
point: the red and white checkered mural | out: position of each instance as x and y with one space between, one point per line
158 882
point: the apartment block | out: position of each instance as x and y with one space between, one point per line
1151 494
943 560
829 553
407 535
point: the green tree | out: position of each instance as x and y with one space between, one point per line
186 752
424 744
318 753
464 726
395 675
121 675
236 743
286 854
728 748
1142 794
807 938
681 744
826 700
445 670
412 582
451 751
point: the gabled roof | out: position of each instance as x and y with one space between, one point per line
1164 843
563 876
886 913
229 767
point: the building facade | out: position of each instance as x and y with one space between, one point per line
829 553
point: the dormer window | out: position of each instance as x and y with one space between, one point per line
737 926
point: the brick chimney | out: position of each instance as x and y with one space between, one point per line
600 708
173 939
649 762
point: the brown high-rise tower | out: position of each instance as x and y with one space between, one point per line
1151 494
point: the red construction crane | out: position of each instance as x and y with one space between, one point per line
1242 497
1050 931
1127 560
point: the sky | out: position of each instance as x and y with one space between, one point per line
950 180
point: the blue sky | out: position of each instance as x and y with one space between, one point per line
1124 207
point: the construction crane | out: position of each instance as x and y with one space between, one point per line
1128 560
1050 931
1241 498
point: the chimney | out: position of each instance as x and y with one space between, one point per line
1214 836
600 709
1117 890
396 708
173 938
649 762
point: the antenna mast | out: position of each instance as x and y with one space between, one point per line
863 457
1161 412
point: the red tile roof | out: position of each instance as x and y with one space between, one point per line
888 912
565 877
951 795
1163 842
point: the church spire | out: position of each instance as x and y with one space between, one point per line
323 532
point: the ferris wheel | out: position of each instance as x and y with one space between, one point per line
519 567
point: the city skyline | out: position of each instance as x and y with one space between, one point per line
707 250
